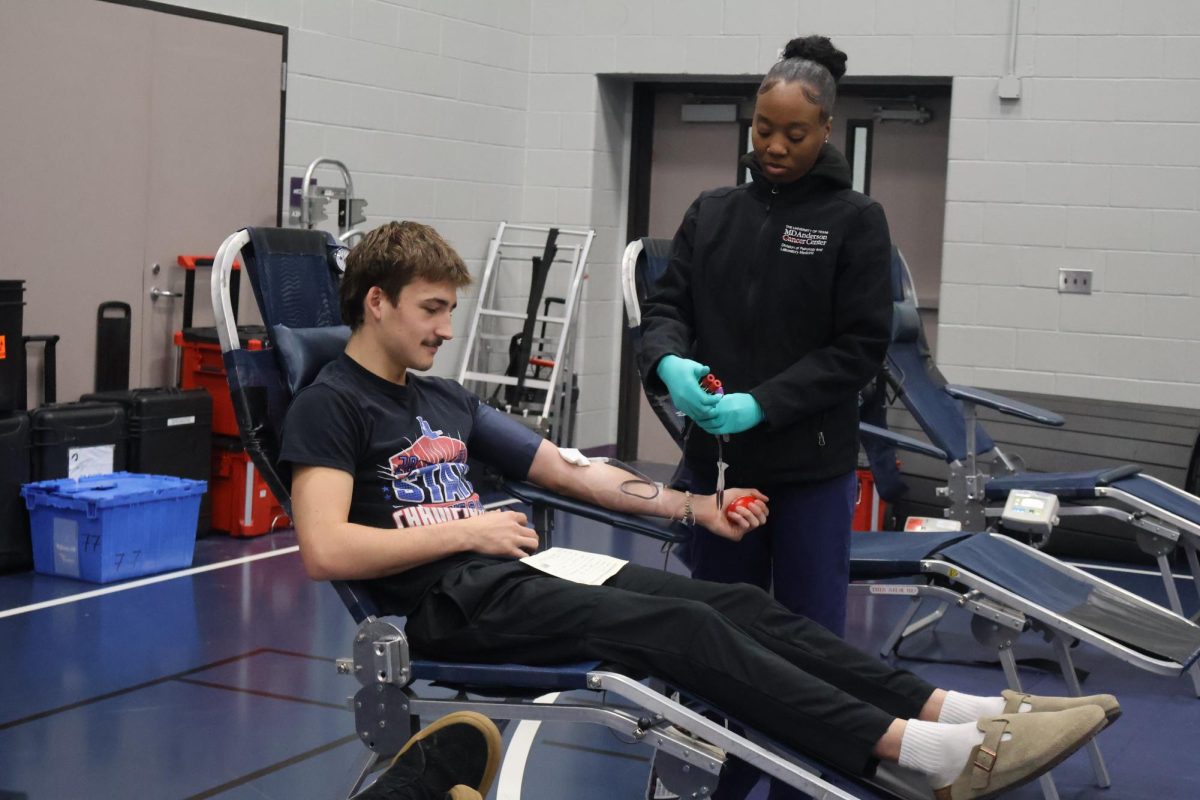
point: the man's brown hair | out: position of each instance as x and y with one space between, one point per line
391 257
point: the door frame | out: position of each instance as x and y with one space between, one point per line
639 191
637 223
265 27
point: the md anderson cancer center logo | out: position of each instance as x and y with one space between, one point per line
798 241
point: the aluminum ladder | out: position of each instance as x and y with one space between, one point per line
502 315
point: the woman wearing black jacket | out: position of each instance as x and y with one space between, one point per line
780 288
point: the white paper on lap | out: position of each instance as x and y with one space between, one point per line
576 566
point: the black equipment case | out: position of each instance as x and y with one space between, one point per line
169 432
62 430
16 553
12 346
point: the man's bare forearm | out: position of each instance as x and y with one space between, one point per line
605 485
348 551
614 488
618 489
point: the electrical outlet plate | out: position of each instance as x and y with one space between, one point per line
1075 281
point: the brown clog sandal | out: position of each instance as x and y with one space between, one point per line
1108 704
1039 742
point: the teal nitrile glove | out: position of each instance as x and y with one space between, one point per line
735 413
682 377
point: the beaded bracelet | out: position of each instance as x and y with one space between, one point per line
689 514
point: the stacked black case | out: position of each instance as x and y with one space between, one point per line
63 427
16 553
169 432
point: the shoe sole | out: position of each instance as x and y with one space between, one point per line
480 723
944 792
1109 719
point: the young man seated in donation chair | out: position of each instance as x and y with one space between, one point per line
381 493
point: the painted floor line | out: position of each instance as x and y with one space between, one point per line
75 598
168 576
512 768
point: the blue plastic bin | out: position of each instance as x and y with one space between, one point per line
111 527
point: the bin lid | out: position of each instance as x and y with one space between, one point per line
106 491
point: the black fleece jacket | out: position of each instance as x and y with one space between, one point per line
783 290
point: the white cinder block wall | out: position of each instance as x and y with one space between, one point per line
1096 167
461 113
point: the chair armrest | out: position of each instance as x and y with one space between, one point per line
664 530
901 441
1005 405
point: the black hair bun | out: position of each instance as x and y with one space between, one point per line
820 50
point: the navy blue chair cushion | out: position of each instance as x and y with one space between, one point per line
294 274
906 323
304 351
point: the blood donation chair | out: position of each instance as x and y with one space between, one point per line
1008 587
294 275
983 479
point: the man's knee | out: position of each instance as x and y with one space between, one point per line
751 593
740 602
709 627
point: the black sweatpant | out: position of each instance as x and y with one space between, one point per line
730 644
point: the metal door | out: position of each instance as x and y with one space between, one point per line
130 135
213 165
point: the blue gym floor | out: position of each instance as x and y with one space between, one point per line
222 684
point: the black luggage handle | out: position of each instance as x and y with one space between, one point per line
112 346
49 369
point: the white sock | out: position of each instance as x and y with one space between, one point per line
939 750
969 707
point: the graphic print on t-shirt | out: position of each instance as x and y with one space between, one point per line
427 481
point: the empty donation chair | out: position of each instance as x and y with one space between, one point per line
1008 587
294 275
982 476
1039 591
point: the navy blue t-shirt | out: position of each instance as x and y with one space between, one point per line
406 446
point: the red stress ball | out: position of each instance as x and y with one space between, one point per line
742 502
